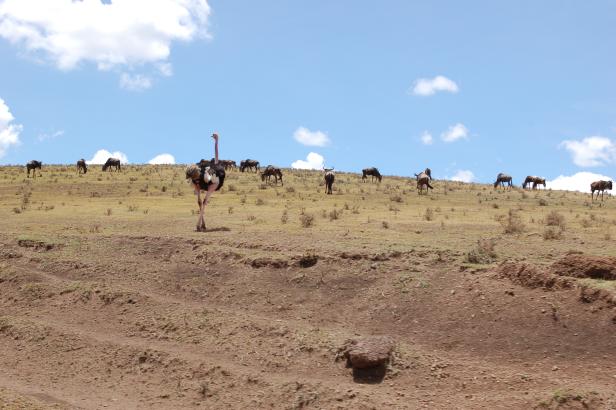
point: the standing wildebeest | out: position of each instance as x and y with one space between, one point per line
81 166
112 162
423 180
534 180
502 179
33 165
373 172
249 164
599 186
329 180
271 171
228 164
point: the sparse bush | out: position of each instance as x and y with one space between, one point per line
551 233
307 220
555 219
512 223
543 202
334 214
132 208
251 217
290 189
483 253
385 225
308 259
230 210
108 212
395 198
429 215
164 188
232 188
285 217
259 202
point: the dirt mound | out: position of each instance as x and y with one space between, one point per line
531 276
367 352
578 265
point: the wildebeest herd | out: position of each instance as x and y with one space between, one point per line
423 178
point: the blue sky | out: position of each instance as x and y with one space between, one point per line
527 85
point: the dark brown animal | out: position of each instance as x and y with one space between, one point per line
249 164
502 179
423 180
228 164
204 163
271 171
329 180
82 167
599 186
373 172
33 165
534 180
428 172
112 163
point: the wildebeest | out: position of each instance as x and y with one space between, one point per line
534 180
249 164
33 165
112 162
423 180
82 166
502 179
228 164
271 171
329 180
373 172
599 186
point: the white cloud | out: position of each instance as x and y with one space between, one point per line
162 159
455 132
109 34
463 176
49 136
102 155
311 138
591 151
430 86
577 182
135 82
313 161
9 131
426 138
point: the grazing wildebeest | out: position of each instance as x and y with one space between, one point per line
502 179
249 164
423 180
373 172
228 164
329 180
534 180
271 171
208 179
599 186
112 162
33 165
81 166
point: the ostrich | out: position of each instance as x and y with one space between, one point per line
373 172
33 165
329 180
271 171
423 180
207 179
534 180
112 162
81 166
599 186
502 179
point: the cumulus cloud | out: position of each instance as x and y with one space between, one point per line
577 182
426 138
311 138
162 159
313 161
591 151
135 82
455 133
9 131
102 155
463 176
430 86
109 34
